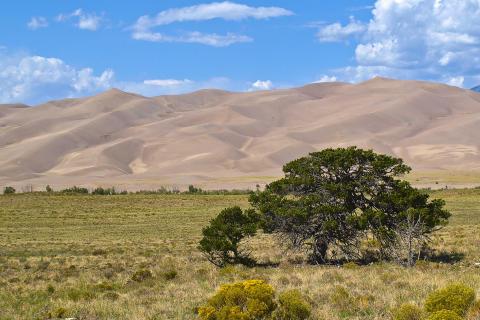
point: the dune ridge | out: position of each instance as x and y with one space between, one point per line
119 138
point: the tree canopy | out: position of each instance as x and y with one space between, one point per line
335 198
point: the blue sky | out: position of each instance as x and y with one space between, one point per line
56 49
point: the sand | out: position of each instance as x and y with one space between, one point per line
220 139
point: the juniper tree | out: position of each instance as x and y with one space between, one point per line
335 197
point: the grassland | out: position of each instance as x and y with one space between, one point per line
75 255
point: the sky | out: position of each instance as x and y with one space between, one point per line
56 49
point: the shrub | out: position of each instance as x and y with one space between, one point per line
408 311
251 299
142 275
9 190
75 190
170 275
456 297
292 306
99 252
444 315
104 191
48 189
221 239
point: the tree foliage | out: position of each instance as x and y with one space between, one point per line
221 239
336 197
9 190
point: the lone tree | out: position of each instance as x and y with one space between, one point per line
221 239
335 198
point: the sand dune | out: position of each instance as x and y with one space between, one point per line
210 136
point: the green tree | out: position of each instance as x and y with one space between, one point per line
9 190
336 197
221 239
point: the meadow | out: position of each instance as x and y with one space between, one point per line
135 257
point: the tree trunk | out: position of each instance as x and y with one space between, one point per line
319 254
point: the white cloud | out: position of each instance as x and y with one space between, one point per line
456 81
336 32
37 23
167 82
211 39
261 85
230 11
173 86
326 78
422 39
33 79
85 21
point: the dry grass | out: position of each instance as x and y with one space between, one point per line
75 256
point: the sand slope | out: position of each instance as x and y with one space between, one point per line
125 139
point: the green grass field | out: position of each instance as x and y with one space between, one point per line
74 256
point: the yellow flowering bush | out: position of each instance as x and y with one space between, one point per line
246 300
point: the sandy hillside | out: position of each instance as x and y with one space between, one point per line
222 139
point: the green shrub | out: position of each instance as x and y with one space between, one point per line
292 306
170 275
75 190
408 311
456 297
9 190
221 239
142 275
104 191
444 315
250 299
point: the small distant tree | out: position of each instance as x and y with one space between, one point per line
194 190
48 189
335 198
221 239
9 190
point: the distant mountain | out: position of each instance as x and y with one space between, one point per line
225 138
477 89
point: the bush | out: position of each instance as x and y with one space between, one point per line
142 275
408 311
170 275
75 190
251 299
104 191
48 189
444 315
292 306
221 239
456 297
9 190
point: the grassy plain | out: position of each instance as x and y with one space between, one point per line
74 256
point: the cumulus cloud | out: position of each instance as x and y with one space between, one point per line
425 39
336 32
84 21
36 79
262 85
37 23
33 79
230 11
